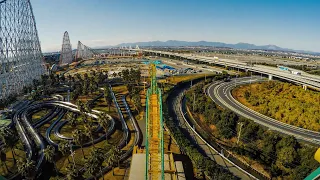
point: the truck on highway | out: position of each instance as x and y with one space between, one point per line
283 68
296 73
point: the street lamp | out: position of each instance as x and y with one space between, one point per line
72 154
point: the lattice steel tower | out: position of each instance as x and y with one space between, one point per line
66 50
84 52
21 59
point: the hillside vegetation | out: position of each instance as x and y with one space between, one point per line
282 101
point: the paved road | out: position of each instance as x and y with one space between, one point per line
174 105
221 94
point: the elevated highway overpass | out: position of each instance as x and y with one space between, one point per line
304 79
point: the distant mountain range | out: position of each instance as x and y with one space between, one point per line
247 46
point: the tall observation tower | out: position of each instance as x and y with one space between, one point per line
21 58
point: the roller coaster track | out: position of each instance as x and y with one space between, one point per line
124 125
137 138
154 130
25 128
34 144
29 136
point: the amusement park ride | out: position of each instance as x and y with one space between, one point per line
158 163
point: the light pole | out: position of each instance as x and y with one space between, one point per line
238 68
72 154
194 99
68 95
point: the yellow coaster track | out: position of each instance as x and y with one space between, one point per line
154 128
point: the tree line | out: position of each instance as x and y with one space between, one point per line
203 164
132 79
83 85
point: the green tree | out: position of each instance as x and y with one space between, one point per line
247 94
88 107
9 138
93 73
287 156
3 158
88 128
80 106
63 78
227 124
113 156
301 172
44 80
79 138
49 154
287 141
26 168
72 172
104 122
108 97
120 74
125 74
250 131
64 148
94 162
137 102
73 118
114 74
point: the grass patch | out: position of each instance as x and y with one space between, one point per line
38 115
12 167
176 79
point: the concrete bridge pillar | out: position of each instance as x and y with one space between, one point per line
304 87
270 77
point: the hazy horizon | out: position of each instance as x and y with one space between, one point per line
284 23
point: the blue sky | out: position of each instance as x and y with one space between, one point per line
287 23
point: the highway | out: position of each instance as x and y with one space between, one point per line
221 94
176 111
303 79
